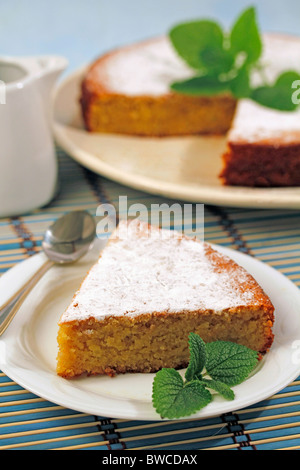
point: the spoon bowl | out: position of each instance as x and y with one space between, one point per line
70 237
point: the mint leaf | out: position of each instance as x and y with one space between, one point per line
245 37
201 86
217 60
229 363
173 399
167 384
277 96
223 389
240 85
191 39
197 357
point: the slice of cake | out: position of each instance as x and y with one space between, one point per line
263 148
149 289
127 91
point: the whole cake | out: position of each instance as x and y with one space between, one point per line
149 289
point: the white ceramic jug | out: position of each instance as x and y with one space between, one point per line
28 165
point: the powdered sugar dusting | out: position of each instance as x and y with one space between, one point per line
148 68
254 123
153 272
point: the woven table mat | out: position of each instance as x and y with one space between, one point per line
30 422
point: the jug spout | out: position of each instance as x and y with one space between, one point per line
50 67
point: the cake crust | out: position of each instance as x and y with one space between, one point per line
261 165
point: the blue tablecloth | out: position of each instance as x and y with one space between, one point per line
80 31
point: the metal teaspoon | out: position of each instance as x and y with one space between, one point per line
66 241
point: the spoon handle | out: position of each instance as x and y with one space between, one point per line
10 308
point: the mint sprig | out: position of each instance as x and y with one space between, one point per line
215 366
224 62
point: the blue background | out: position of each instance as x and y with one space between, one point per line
80 30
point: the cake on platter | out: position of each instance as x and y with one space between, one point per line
127 91
149 289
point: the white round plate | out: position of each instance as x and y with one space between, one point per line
184 168
28 347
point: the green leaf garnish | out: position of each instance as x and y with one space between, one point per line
197 357
245 37
191 39
173 398
217 60
208 86
278 95
227 364
223 389
224 62
240 85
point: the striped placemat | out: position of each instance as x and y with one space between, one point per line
30 422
